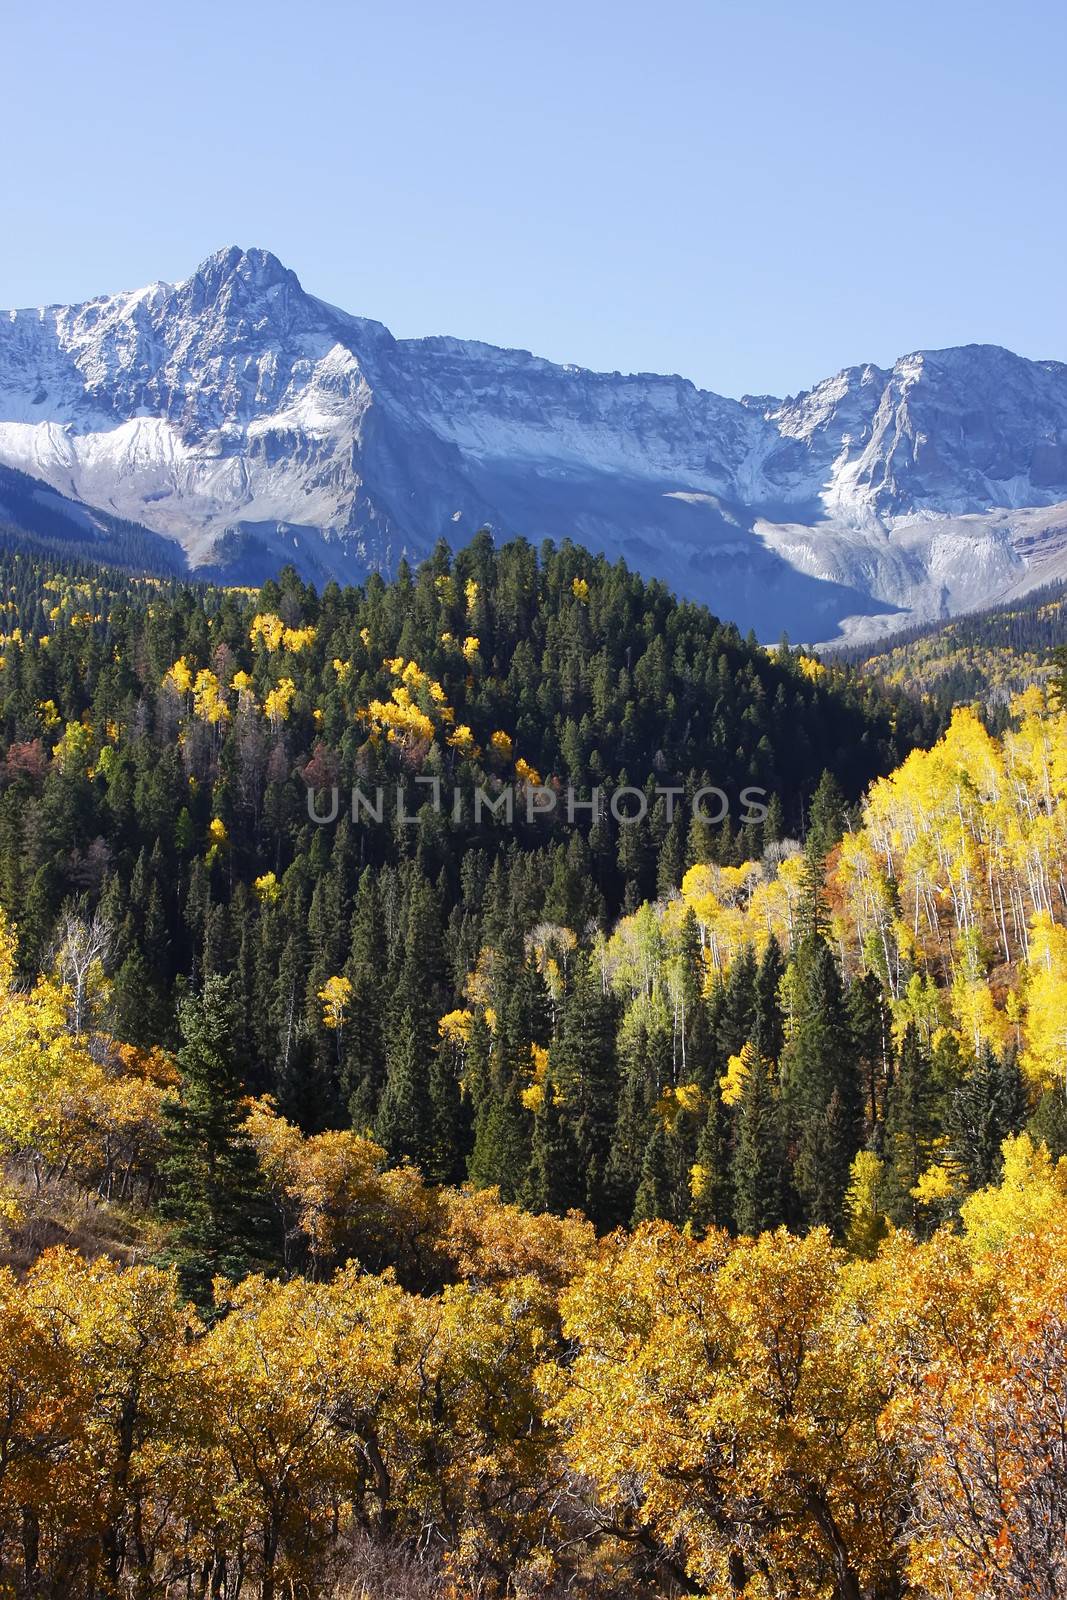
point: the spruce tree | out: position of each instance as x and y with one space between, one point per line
773 823
451 1125
138 1010
712 1200
758 1175
583 1064
633 1125
738 1013
826 818
501 1154
911 1128
823 1095
363 1073
657 1191
987 1106
212 1186
405 1122
1048 1125
868 1017
768 1032
554 1181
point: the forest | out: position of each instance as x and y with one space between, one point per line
986 657
449 1204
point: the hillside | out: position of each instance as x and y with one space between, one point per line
987 658
35 517
501 1190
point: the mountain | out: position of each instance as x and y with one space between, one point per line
255 425
34 515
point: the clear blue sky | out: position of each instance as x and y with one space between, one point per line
751 194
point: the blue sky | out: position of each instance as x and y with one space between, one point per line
751 194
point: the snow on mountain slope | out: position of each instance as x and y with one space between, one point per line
255 424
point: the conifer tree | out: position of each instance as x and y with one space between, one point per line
138 1011
583 1063
554 1179
737 1016
364 1064
986 1107
451 1122
826 818
774 822
868 1017
405 1122
213 1193
1048 1125
633 1125
712 1202
767 1033
910 1130
501 1154
758 1175
823 1097
656 1192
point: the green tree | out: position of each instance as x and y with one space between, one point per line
759 1177
823 1096
656 1191
911 1127
212 1190
712 1198
583 1063
986 1107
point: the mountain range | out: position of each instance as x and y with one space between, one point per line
252 424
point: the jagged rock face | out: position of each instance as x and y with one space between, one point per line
255 424
953 431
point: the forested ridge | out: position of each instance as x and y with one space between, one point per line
36 517
159 742
471 1206
986 657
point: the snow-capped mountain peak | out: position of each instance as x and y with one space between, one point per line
254 423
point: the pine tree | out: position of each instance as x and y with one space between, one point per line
583 1064
212 1188
987 1106
656 1191
405 1122
910 1129
712 1191
554 1180
759 1161
823 1095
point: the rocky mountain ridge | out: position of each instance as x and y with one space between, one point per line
255 424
